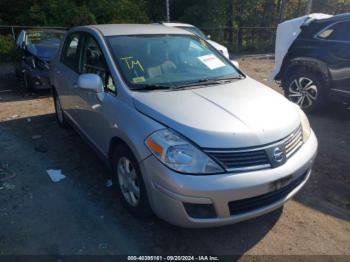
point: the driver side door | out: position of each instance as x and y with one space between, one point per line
92 117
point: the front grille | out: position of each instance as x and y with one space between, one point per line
293 142
249 204
240 160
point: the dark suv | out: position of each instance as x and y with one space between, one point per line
317 65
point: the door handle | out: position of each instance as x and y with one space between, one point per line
75 85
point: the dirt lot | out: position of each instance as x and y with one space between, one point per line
79 215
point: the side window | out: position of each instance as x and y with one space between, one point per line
338 32
93 61
70 54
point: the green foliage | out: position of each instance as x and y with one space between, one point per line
219 18
72 12
82 16
6 47
204 13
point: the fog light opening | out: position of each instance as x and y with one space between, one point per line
200 210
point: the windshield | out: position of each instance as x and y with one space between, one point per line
171 60
194 30
44 38
43 42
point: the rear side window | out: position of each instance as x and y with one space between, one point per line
70 55
337 32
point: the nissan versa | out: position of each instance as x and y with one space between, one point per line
188 135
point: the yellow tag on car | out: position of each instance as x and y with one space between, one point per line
138 79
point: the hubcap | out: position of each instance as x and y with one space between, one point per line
128 181
303 91
59 110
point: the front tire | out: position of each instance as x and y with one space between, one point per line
129 181
305 88
26 82
60 117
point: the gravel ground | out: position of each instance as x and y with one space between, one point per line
79 215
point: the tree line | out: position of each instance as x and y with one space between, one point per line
204 13
228 21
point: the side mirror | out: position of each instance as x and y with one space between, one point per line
90 82
235 63
208 36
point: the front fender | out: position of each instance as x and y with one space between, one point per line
308 63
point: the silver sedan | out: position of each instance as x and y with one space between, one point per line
188 135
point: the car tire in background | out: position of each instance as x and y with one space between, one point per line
60 117
305 88
129 182
26 82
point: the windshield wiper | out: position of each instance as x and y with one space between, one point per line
210 81
230 78
151 87
200 82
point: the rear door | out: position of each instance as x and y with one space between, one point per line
67 73
336 39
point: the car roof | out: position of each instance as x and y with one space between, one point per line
339 17
136 29
176 24
332 19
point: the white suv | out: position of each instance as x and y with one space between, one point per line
198 32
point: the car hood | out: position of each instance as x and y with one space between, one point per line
286 34
243 113
45 53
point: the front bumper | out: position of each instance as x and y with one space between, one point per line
39 79
168 190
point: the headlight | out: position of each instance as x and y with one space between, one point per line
179 154
42 65
31 61
305 125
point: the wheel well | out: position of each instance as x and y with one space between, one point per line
115 141
315 67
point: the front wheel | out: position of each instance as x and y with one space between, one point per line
130 183
60 117
305 89
26 82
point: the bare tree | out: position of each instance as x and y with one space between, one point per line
167 11
298 8
229 21
240 24
309 7
282 10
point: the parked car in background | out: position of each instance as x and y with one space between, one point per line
35 49
195 30
187 134
317 64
